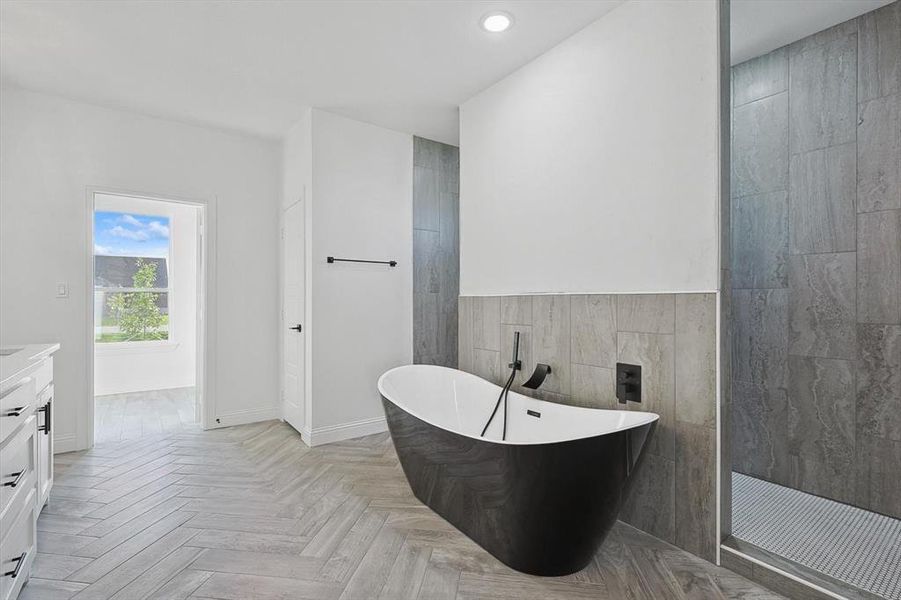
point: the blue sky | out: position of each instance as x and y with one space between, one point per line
127 234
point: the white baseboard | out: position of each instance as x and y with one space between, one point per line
242 417
65 443
344 431
307 436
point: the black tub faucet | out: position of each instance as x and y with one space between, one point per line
538 376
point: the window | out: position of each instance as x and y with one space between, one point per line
132 286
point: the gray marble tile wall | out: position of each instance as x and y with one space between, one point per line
816 263
436 252
582 337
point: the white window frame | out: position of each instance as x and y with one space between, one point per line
143 345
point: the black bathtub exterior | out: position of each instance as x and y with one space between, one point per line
543 509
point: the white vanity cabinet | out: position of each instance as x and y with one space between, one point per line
44 444
26 458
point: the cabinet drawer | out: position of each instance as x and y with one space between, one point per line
17 551
16 405
17 473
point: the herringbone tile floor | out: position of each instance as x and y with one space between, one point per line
122 417
251 513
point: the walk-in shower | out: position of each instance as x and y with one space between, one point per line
816 305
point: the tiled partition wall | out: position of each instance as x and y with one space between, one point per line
816 263
436 252
582 337
725 320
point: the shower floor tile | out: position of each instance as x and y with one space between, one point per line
846 543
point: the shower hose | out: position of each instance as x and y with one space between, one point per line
502 396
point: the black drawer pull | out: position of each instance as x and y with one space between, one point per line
48 417
17 480
14 412
20 560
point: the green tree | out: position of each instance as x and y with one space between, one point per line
137 313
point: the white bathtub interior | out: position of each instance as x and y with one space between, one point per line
461 402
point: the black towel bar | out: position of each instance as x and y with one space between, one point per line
390 263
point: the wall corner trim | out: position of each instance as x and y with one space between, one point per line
251 415
343 431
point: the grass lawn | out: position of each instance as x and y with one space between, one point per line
121 337
110 321
152 336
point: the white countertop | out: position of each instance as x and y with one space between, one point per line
14 366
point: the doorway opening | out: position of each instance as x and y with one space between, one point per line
148 298
815 314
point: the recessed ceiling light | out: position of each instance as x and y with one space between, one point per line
497 22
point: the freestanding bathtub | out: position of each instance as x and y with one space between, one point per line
543 500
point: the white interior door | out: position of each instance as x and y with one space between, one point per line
292 315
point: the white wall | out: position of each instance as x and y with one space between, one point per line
51 150
361 319
121 368
594 167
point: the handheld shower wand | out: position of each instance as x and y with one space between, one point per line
515 366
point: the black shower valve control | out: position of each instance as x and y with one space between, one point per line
628 383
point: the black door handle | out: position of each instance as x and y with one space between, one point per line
297 327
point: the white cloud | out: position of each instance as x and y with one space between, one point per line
119 231
98 249
137 230
158 228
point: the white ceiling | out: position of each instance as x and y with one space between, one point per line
761 26
251 66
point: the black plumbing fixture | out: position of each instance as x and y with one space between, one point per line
538 376
515 365
628 383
